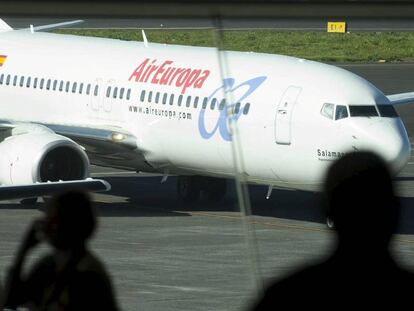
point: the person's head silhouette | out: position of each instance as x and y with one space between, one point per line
70 220
361 202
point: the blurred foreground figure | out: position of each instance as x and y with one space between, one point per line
361 271
70 278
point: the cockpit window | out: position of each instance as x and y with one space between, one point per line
328 110
341 112
363 111
387 111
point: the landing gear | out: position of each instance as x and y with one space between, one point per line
188 188
330 223
192 188
29 201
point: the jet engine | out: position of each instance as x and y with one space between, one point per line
41 157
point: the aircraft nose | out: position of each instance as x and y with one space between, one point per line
392 143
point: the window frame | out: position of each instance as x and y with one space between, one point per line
324 114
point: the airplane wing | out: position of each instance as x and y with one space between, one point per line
105 145
4 27
54 26
112 138
402 98
52 188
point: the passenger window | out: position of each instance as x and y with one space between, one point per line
108 91
164 99
142 98
88 89
15 81
246 108
29 79
157 98
172 99
74 87
61 86
205 100
67 86
80 88
150 96
128 96
8 79
55 82
115 95
21 81
121 93
222 104
341 112
35 83
213 104
188 103
237 108
180 100
96 90
196 101
49 82
328 110
42 83
1 78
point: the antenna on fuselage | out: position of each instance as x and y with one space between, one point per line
144 37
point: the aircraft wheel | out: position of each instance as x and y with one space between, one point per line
28 201
188 188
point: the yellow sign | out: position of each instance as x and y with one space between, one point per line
337 27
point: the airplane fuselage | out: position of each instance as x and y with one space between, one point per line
294 117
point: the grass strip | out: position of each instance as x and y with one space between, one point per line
319 46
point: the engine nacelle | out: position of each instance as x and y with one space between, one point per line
40 157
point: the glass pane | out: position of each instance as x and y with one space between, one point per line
341 112
328 110
387 111
363 111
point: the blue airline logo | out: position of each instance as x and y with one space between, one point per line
221 125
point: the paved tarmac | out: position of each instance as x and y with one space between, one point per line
279 24
165 256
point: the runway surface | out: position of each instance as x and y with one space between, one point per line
280 24
165 256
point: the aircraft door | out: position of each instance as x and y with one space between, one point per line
94 96
283 126
107 96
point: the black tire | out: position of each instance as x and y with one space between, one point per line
28 201
188 188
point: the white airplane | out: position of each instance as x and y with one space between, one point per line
67 101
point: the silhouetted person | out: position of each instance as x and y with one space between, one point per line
361 272
71 277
